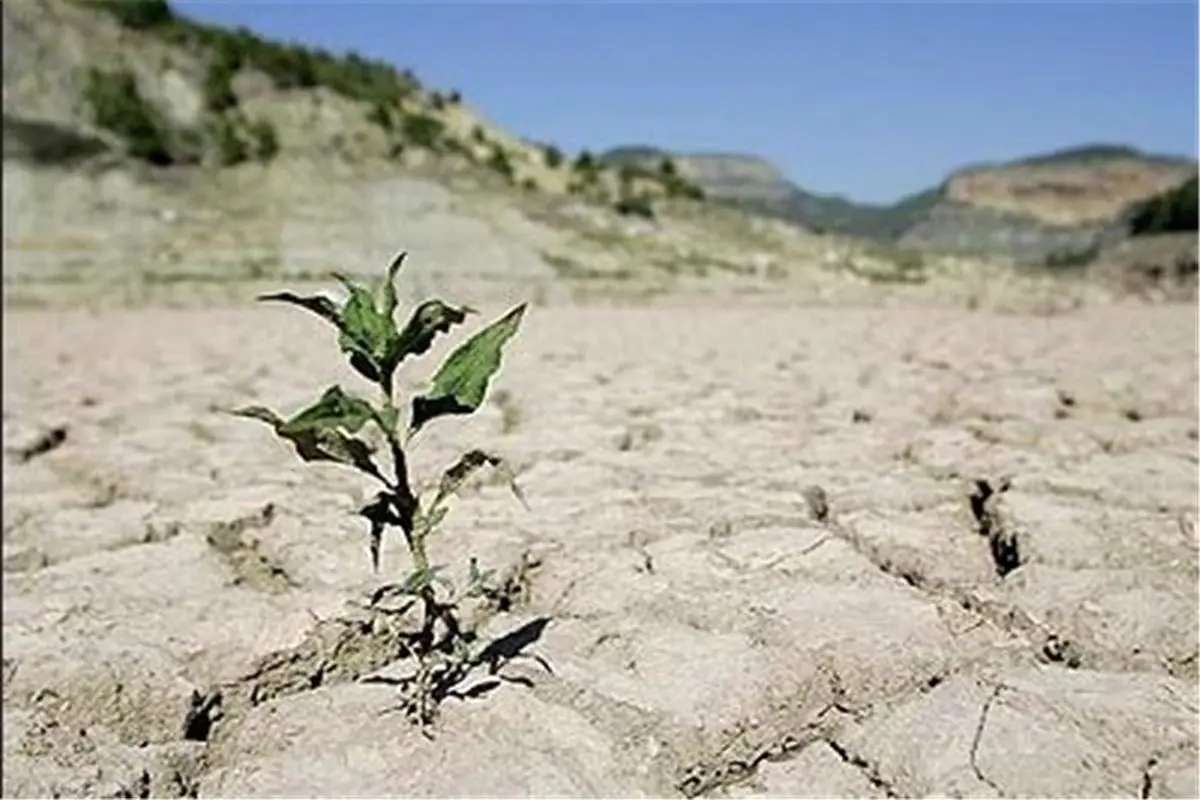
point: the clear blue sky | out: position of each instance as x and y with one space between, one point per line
870 100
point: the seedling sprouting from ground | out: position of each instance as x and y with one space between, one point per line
446 651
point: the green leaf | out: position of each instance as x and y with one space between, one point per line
319 433
323 307
259 413
461 383
387 300
365 332
335 409
427 321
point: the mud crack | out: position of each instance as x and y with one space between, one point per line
868 770
975 742
336 651
807 718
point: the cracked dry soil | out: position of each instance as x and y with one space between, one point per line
784 551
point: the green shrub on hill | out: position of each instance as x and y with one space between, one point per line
1173 211
118 107
422 130
288 65
265 139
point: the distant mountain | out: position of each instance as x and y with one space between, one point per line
1030 208
757 185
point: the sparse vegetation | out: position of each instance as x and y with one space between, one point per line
1173 211
265 139
422 130
883 263
445 648
392 101
380 114
501 164
1072 258
586 163
635 206
231 148
138 14
118 106
218 80
288 65
552 156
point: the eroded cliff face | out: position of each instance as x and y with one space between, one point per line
1091 193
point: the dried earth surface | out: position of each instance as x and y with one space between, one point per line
770 549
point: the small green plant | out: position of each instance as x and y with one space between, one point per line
446 651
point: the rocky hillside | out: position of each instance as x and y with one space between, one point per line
1041 208
138 80
755 184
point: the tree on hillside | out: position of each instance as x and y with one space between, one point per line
1170 212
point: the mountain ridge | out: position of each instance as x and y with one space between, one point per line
1041 195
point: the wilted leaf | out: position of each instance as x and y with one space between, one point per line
461 383
429 319
454 478
323 307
